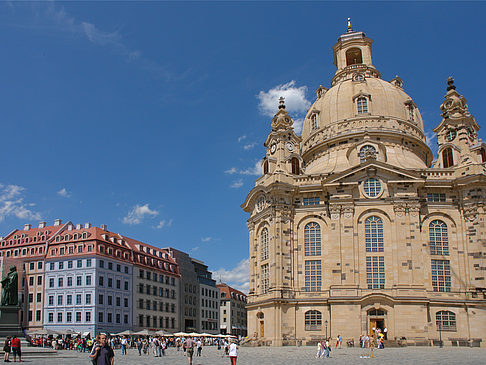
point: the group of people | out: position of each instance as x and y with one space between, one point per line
376 340
12 345
323 348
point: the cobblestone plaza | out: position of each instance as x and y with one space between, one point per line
293 356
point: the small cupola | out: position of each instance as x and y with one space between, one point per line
352 48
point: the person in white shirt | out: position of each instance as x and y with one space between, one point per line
233 353
124 343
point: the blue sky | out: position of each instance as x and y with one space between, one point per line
150 117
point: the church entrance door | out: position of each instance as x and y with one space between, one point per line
262 329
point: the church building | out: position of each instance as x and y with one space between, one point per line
355 226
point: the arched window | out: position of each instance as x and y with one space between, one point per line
483 155
447 158
264 243
439 240
313 320
353 56
366 151
362 104
374 234
445 321
295 166
265 167
312 239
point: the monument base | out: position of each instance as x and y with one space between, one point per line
10 321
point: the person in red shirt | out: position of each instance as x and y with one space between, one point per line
16 348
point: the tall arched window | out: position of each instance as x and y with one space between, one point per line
295 166
439 240
366 151
374 234
312 239
313 320
447 158
445 321
264 243
265 167
362 104
483 155
353 56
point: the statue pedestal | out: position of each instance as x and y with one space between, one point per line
10 321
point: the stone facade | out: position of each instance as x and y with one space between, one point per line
353 225
233 311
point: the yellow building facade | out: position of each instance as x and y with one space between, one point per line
354 226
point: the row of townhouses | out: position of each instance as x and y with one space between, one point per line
88 279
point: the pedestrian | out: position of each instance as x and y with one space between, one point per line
6 350
233 353
189 348
124 343
16 351
103 353
199 347
319 349
327 347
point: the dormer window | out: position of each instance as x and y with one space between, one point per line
362 104
366 152
314 121
411 112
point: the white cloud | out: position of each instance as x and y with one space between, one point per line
64 193
431 139
231 171
195 249
138 213
249 146
253 170
237 184
237 277
164 223
295 100
12 203
241 138
206 239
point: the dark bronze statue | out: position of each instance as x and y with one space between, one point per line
10 287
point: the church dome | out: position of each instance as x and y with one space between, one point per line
339 103
360 111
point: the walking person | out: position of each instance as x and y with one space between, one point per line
199 347
16 351
319 349
233 352
103 353
124 344
6 350
327 347
189 348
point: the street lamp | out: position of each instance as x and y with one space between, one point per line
440 334
326 328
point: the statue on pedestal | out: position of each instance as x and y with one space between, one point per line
10 288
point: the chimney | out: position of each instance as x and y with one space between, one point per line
42 224
87 225
78 226
104 227
57 222
70 227
27 227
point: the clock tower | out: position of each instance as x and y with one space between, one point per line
457 134
283 146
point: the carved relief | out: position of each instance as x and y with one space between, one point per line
470 212
413 209
347 210
335 211
400 209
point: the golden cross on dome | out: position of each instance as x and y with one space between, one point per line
350 27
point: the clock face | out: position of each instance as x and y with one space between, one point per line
450 135
290 146
273 148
